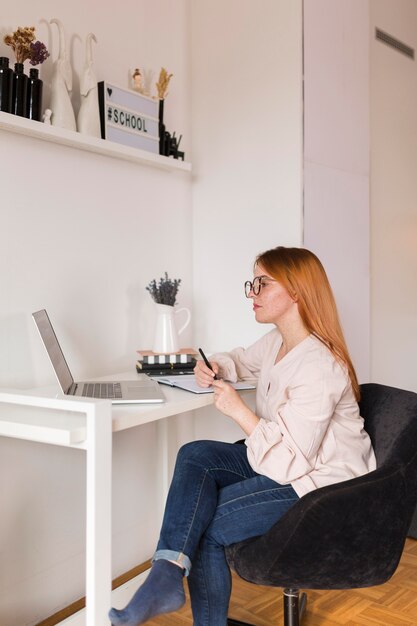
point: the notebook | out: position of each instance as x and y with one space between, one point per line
189 383
140 390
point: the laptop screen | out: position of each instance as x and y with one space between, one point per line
53 349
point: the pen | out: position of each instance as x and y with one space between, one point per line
206 361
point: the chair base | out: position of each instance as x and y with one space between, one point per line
294 607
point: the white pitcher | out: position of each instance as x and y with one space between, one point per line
166 334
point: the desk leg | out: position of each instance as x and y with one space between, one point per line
163 463
98 531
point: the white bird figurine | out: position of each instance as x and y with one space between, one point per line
88 121
61 106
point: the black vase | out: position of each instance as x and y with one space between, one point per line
161 128
6 85
34 96
20 82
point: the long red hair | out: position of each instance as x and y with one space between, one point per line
304 277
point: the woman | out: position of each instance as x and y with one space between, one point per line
306 433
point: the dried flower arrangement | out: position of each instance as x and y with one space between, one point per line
165 292
163 82
22 41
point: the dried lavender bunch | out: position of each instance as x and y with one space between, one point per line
165 292
38 53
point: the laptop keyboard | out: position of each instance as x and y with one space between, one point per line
102 390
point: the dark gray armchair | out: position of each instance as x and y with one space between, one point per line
350 534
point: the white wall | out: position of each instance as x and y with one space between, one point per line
336 177
82 235
246 88
394 196
247 154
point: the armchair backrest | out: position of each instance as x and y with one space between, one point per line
390 416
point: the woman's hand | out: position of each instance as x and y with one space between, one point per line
228 401
203 374
226 398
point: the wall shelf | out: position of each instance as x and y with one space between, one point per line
62 136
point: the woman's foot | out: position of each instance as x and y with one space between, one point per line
162 592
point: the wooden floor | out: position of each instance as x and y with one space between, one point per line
392 604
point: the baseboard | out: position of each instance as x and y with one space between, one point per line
123 587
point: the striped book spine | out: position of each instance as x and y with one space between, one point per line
142 365
183 356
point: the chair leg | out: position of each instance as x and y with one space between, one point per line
294 607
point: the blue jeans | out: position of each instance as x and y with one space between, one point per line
215 499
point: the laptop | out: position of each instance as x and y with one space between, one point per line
141 390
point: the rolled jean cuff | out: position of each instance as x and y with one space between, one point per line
178 557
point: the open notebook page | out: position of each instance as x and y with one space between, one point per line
189 383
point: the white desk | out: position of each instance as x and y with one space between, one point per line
46 416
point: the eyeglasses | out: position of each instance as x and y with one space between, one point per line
256 285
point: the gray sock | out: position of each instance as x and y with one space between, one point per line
162 592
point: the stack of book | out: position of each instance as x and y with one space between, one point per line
163 364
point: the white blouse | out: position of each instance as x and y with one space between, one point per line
310 433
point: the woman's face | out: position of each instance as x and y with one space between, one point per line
273 304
